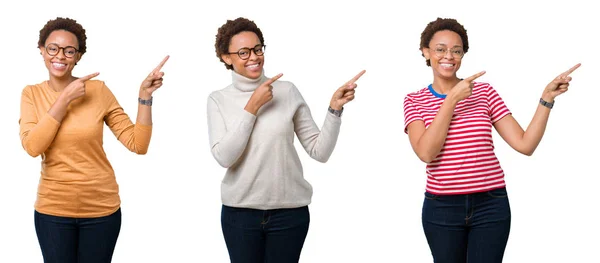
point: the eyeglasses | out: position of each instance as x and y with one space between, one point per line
53 49
244 53
456 52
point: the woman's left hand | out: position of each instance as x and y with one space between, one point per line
153 81
559 85
345 93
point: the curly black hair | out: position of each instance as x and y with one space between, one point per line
441 24
230 29
66 24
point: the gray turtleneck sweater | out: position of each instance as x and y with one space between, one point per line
263 167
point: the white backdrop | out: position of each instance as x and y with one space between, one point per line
367 198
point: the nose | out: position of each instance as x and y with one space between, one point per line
253 55
448 54
61 54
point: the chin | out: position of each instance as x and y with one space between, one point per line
446 74
253 75
58 74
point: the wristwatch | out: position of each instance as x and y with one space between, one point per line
145 102
546 104
336 112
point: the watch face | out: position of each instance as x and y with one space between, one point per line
145 102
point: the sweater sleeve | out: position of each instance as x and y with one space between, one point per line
228 142
136 137
319 144
36 134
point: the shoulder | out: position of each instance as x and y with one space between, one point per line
285 85
220 93
482 86
415 95
95 84
98 89
33 88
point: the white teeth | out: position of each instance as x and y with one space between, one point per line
59 65
252 66
447 65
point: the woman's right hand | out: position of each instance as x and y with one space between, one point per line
464 88
261 95
76 88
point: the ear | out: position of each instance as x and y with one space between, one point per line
41 50
227 59
425 52
77 57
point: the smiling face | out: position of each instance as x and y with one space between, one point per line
253 66
444 64
60 66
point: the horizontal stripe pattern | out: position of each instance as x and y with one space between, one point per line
467 163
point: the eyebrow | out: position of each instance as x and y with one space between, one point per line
251 47
441 44
61 46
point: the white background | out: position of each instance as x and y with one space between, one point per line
368 197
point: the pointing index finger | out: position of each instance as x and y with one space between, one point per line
273 79
162 63
90 76
568 72
474 77
356 77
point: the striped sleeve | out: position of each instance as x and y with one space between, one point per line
497 107
410 113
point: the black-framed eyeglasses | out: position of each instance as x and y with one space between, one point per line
456 52
244 53
53 49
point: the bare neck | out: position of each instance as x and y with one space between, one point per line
444 85
59 84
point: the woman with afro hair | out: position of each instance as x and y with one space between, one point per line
77 211
466 214
251 125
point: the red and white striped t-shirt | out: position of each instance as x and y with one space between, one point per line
467 163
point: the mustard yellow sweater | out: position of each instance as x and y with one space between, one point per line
77 179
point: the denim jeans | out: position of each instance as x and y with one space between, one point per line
77 240
470 228
260 236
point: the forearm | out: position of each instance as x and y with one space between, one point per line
58 111
144 114
319 144
228 143
431 142
229 149
37 137
535 130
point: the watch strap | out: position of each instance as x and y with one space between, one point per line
145 102
336 112
546 104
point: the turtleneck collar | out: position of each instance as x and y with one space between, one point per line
246 84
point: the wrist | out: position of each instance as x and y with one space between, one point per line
335 106
547 104
145 95
147 102
251 108
547 97
451 100
336 112
63 98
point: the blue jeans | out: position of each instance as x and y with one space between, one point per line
77 240
469 228
259 236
